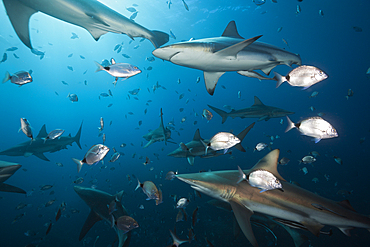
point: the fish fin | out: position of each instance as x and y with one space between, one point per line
225 150
100 67
10 188
211 79
257 102
269 163
118 196
159 38
190 160
19 15
177 240
233 50
77 137
241 136
241 176
263 191
231 31
149 143
79 164
347 205
220 112
306 87
138 184
90 221
298 238
7 78
313 226
243 215
291 125
316 140
279 79
42 133
267 70
346 230
41 156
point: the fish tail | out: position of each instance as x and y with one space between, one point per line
159 38
220 112
138 184
241 136
100 68
291 125
7 77
78 136
279 78
79 164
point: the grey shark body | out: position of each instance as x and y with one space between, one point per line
196 147
230 52
159 134
38 146
295 205
92 15
99 202
257 110
7 169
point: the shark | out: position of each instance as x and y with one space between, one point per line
91 15
257 110
98 202
294 206
197 148
7 169
159 134
38 146
230 52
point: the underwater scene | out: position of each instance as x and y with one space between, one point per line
184 123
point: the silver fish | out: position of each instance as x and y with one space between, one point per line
20 78
54 134
264 180
182 202
26 128
95 154
222 140
260 146
307 159
101 125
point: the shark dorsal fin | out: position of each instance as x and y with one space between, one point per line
90 221
269 163
347 205
19 15
197 136
257 101
231 31
42 132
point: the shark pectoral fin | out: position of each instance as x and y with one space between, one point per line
267 70
27 154
41 156
313 226
263 118
190 160
19 15
232 50
211 79
149 143
298 238
243 215
90 221
11 188
346 230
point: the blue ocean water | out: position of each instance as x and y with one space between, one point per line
329 42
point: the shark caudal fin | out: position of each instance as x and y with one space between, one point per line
79 164
159 38
220 112
7 77
11 188
241 136
77 137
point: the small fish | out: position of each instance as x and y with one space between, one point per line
179 216
26 128
302 76
54 134
260 146
49 228
264 180
70 55
20 78
72 97
147 161
70 68
338 160
307 159
46 187
357 29
149 189
185 5
314 153
198 79
222 140
12 48
74 36
170 175
59 213
30 233
126 56
283 161
160 198
298 9
82 57
5 57
65 83
349 93
126 223
150 59
133 15
131 9
321 13
314 94
79 180
279 29
182 202
315 180
315 127
95 154
181 96
194 216
101 125
207 114
172 34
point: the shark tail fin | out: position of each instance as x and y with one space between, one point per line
79 164
100 67
11 188
7 77
78 136
291 125
241 136
159 38
279 78
220 112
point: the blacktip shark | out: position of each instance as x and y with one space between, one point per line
295 206
92 15
99 202
38 146
257 110
230 52
7 169
196 148
159 134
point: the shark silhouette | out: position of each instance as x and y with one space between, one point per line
295 206
257 110
38 146
7 169
99 202
92 15
196 148
230 52
159 134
